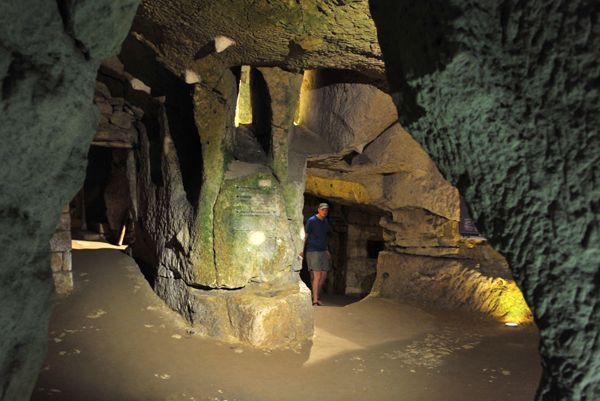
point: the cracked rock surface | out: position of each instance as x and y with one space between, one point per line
48 63
504 99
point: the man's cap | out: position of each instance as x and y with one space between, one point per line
323 206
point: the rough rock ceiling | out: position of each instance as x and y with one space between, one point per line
292 34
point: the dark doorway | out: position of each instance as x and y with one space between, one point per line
355 240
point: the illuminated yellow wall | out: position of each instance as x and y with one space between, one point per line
337 189
243 108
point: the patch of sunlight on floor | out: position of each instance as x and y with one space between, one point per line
83 244
327 345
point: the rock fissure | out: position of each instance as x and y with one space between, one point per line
64 8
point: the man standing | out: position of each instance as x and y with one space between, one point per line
317 253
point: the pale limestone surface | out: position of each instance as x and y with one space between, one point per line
451 284
252 235
346 116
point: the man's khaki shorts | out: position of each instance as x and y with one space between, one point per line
318 261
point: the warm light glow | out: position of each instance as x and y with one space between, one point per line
191 77
512 304
257 237
81 244
243 107
511 324
302 104
222 43
326 187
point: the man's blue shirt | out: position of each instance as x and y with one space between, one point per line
317 230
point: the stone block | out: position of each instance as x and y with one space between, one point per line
63 283
111 133
448 284
102 90
346 116
56 261
104 107
209 313
60 241
252 238
67 264
272 318
260 315
64 223
122 119
417 227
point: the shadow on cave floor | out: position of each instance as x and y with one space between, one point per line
113 339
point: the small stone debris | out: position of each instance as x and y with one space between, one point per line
73 351
162 376
96 314
506 372
176 336
430 352
237 350
57 340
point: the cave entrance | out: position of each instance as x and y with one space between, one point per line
355 240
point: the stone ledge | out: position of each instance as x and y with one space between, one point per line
259 315
448 284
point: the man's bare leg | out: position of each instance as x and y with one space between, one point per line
322 280
316 284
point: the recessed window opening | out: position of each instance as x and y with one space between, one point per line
253 117
374 247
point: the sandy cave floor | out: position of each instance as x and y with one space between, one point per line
114 339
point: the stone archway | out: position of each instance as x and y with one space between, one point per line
362 156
